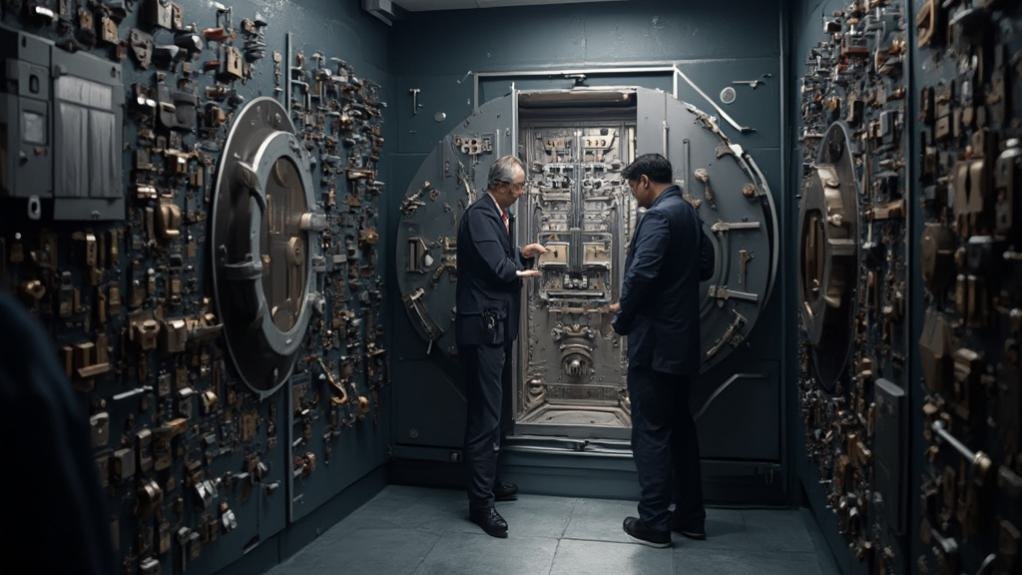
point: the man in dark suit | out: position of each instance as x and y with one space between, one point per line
490 272
659 312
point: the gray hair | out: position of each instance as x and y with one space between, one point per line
503 171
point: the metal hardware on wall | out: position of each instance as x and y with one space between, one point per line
187 292
640 68
753 83
416 106
853 275
969 169
727 118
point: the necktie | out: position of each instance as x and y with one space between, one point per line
503 216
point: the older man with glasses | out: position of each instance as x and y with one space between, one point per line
490 272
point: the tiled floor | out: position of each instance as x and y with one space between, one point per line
413 530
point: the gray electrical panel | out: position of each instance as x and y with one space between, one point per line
891 461
61 123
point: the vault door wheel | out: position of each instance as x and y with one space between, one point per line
828 214
265 238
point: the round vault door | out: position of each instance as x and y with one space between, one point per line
265 244
828 228
571 365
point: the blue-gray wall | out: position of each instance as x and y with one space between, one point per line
438 52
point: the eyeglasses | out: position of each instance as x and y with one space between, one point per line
515 185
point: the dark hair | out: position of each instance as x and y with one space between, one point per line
653 166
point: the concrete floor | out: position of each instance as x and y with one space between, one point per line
415 530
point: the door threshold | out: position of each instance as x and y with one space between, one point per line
613 448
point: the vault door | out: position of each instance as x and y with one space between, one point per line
733 200
448 181
581 209
722 181
570 368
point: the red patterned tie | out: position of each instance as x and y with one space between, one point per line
503 216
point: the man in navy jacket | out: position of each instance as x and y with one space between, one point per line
490 272
659 312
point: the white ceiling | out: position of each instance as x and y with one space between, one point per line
427 5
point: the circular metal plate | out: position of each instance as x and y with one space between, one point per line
728 95
828 232
263 249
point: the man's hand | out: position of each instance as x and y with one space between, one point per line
528 273
615 309
533 250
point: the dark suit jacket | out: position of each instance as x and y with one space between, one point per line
668 257
488 294
46 435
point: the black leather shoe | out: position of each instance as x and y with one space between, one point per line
691 529
491 522
505 491
642 534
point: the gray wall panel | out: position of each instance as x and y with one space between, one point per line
508 38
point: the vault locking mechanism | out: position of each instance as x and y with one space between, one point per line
828 215
265 244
